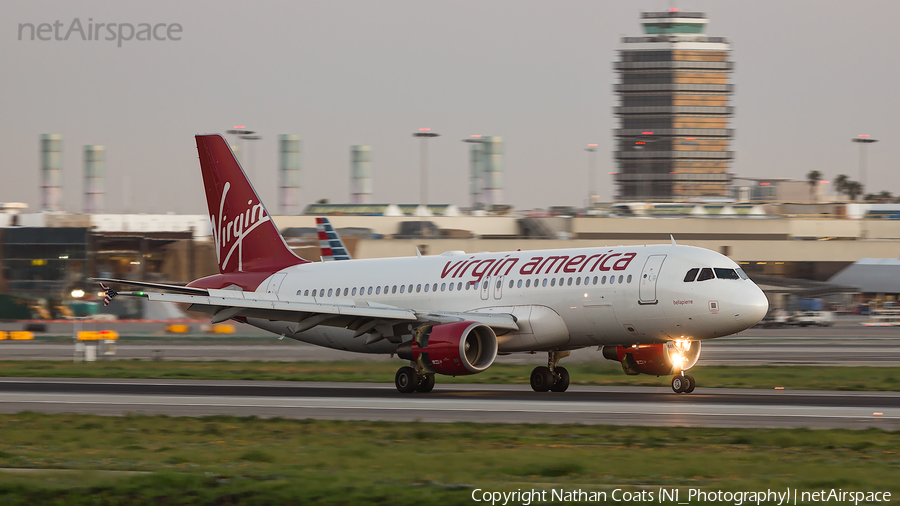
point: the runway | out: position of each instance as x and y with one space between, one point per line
456 403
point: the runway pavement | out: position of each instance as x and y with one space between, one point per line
466 403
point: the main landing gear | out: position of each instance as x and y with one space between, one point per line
683 383
408 381
551 378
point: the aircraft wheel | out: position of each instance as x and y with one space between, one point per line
541 379
426 384
562 383
691 384
678 383
406 380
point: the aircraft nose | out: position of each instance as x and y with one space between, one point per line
750 304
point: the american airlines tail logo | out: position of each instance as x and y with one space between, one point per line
229 235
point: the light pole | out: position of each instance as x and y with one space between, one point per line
863 140
475 170
592 197
424 134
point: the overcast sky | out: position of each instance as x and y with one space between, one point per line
809 76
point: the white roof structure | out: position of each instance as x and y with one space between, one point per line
871 275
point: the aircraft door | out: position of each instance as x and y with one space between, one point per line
275 282
649 276
485 287
498 287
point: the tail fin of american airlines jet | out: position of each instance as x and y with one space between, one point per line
245 236
330 242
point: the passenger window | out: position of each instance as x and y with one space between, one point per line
443 286
394 289
434 287
409 289
629 279
370 290
426 288
545 282
329 292
569 283
306 293
451 287
705 273
726 273
612 280
385 289
553 282
300 292
345 291
468 284
402 288
595 280
577 281
528 283
484 287
561 281
511 283
353 292
378 290
418 288
519 284
603 280
691 275
621 278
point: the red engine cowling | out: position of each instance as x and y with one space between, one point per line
454 349
658 359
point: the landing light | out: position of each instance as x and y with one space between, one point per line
78 293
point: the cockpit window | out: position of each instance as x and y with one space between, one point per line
691 275
705 274
742 274
726 273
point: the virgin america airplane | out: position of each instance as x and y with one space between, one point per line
647 307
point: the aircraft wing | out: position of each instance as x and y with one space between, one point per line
306 312
158 286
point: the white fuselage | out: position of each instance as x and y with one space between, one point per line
562 299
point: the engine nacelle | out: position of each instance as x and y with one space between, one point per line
454 349
659 359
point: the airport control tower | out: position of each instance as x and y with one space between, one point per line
673 139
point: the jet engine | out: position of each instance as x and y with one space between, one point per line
658 359
454 349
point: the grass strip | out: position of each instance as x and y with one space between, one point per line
81 459
582 373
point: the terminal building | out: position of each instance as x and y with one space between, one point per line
673 139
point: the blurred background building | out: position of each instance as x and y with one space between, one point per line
674 91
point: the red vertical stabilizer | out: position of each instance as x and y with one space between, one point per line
245 236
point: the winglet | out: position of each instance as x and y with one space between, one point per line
673 239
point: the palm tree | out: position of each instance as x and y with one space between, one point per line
840 183
853 189
813 178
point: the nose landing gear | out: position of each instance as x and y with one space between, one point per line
683 383
551 378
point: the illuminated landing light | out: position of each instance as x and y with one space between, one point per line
683 345
585 295
779 388
77 293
